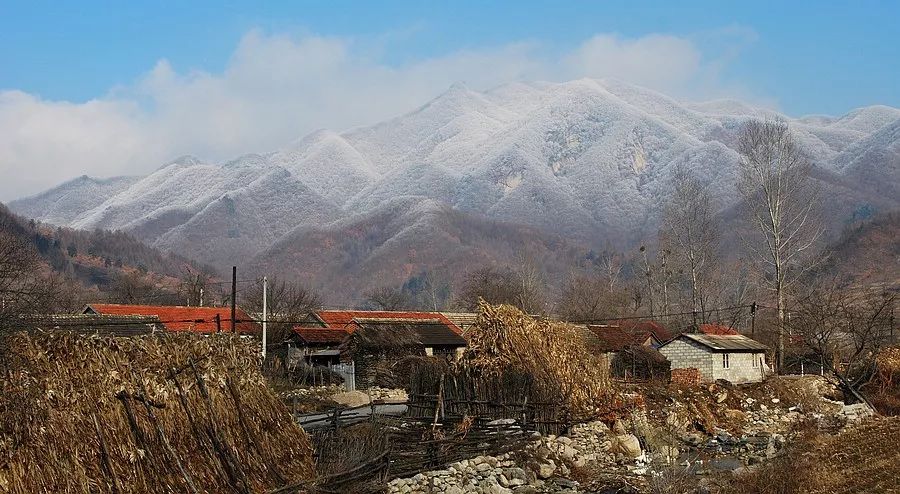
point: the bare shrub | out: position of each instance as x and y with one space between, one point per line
672 479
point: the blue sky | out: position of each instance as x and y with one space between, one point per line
810 57
111 88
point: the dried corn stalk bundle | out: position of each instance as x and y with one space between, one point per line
505 341
169 413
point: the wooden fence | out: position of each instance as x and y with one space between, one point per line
384 448
455 396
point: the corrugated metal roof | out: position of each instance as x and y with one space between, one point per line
181 318
461 319
726 343
343 319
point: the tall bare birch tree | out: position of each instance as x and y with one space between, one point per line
691 227
781 201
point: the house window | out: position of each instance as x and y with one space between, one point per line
724 360
756 362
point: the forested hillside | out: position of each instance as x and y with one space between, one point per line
76 266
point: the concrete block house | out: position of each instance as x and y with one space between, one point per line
732 357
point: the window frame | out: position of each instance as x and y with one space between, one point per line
726 361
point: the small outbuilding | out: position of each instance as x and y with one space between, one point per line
733 357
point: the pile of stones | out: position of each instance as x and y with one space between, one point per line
389 395
542 467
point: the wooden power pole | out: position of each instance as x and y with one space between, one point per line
233 295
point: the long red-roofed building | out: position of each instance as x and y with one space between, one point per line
177 318
344 319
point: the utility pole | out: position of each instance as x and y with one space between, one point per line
233 295
265 316
753 319
201 297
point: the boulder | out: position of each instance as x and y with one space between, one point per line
627 445
546 470
351 398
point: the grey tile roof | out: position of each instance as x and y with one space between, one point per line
726 343
429 333
110 325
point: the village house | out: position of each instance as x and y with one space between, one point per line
314 346
732 357
364 339
176 318
630 347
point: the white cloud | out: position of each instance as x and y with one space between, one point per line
656 61
276 88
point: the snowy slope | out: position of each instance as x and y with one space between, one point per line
62 204
588 159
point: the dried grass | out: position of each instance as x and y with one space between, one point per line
504 341
105 414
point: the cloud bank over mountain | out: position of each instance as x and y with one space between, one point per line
276 87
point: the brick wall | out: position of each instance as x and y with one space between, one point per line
686 377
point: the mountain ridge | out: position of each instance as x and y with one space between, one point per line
588 160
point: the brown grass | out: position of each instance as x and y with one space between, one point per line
862 459
103 414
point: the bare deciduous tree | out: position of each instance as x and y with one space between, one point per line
18 278
388 298
648 269
287 301
690 224
845 329
780 198
135 288
500 286
195 287
590 297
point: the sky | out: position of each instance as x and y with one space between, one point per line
113 88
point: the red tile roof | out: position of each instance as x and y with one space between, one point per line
343 319
321 335
180 318
647 326
616 339
717 329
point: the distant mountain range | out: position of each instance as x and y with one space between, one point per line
469 178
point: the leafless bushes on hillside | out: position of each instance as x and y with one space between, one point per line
845 330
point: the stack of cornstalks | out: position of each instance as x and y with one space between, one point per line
504 340
170 413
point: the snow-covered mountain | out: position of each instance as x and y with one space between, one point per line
588 160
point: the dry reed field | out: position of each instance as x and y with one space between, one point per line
157 413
